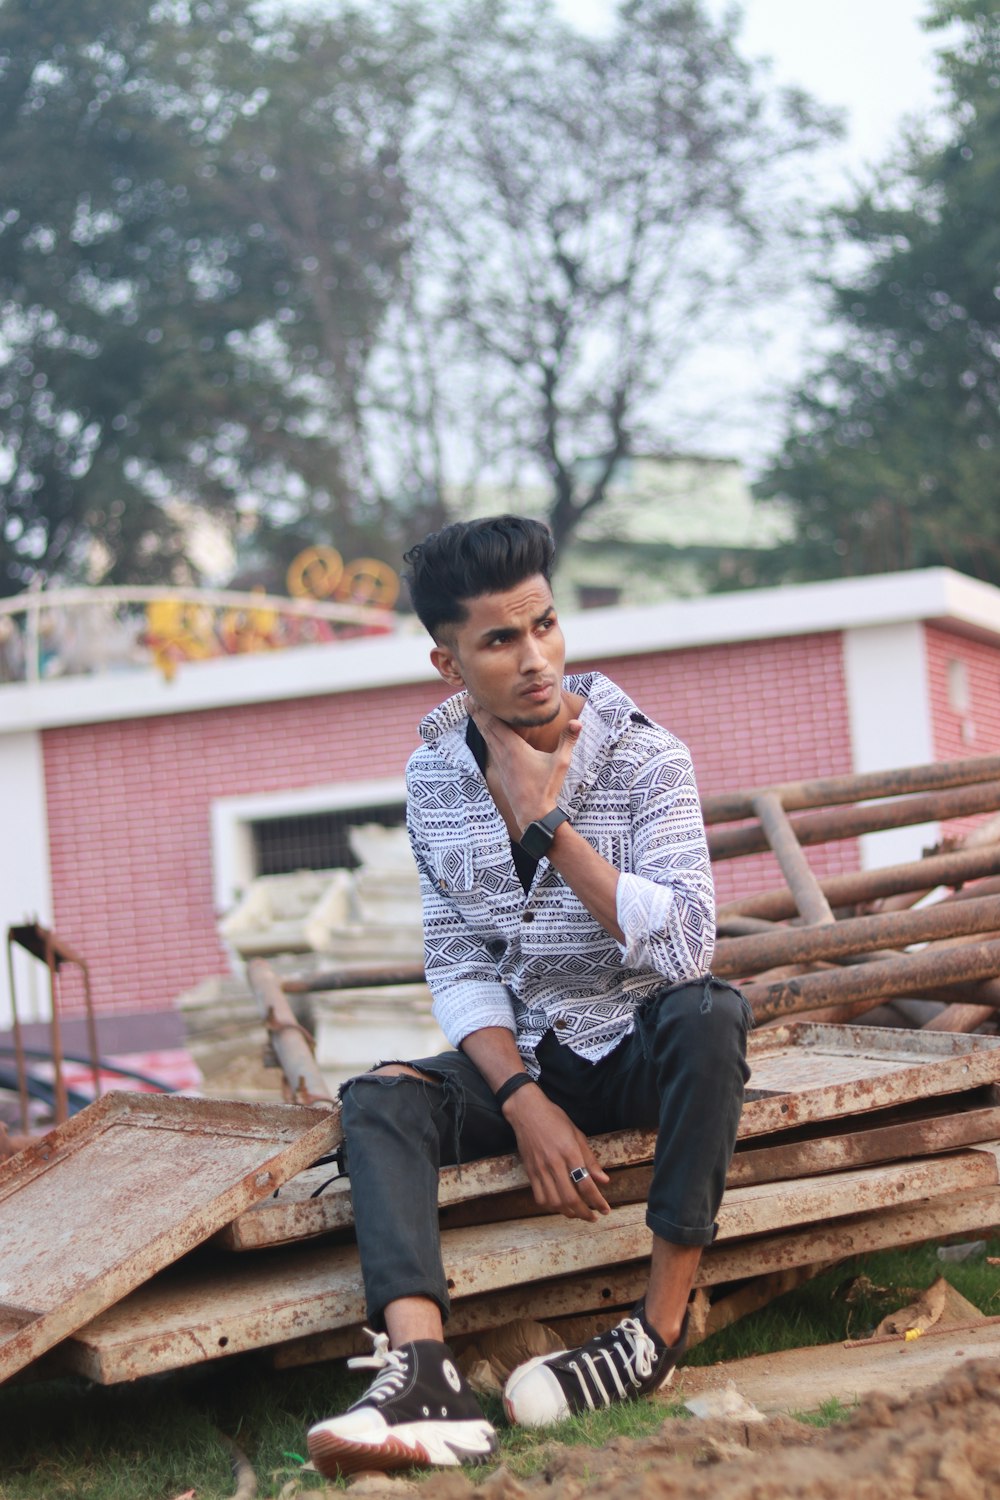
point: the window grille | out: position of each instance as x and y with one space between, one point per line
316 841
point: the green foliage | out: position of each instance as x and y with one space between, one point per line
893 455
594 209
202 222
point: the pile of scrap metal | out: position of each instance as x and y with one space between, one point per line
149 1234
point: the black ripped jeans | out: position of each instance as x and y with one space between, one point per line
680 1072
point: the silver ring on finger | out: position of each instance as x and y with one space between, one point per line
579 1174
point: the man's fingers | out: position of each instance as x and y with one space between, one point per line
592 1195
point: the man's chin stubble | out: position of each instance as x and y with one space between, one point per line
534 721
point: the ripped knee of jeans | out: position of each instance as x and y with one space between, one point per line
389 1075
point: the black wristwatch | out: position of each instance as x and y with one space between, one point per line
536 839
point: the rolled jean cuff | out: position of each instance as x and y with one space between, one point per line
678 1234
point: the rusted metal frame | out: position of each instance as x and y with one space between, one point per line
982 836
292 1044
768 1206
909 974
43 944
61 1102
202 1314
613 1286
959 1017
130 1161
952 1213
358 977
855 935
871 885
296 1215
764 1167
20 1060
802 881
961 1064
853 822
830 791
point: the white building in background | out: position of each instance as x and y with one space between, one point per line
670 526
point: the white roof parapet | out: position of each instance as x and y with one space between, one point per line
930 594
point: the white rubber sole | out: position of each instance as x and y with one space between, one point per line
408 1445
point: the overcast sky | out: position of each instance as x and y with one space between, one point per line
870 58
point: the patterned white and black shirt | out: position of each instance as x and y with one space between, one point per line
496 956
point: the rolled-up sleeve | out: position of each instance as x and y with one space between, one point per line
461 973
666 903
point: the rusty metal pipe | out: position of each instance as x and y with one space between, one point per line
362 977
829 791
853 935
802 880
909 974
852 822
292 1044
870 885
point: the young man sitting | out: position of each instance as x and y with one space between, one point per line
569 924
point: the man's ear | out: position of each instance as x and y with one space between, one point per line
446 665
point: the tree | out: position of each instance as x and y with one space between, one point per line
892 459
201 229
587 212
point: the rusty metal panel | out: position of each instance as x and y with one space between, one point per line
193 1314
804 1072
882 1229
801 1073
132 1183
296 1215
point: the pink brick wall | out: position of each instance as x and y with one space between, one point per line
129 802
129 822
752 714
974 730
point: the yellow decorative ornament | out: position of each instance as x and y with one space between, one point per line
368 581
314 573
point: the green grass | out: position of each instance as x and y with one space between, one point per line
827 1414
819 1312
68 1440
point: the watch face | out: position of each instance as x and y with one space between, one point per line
536 839
538 836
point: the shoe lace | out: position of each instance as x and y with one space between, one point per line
632 1352
643 1347
390 1363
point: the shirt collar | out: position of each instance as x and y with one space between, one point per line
606 712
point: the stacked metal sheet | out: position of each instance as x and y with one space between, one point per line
853 1138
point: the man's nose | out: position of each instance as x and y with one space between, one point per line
532 655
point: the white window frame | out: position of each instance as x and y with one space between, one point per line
232 819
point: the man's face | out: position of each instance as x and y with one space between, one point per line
508 654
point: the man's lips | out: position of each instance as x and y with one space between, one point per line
537 690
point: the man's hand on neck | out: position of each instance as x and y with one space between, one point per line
528 765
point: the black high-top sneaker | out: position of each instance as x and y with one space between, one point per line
417 1412
629 1361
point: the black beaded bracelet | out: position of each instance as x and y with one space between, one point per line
514 1082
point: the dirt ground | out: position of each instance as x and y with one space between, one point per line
942 1444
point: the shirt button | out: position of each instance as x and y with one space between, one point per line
560 1023
529 916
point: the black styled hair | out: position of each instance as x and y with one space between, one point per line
470 558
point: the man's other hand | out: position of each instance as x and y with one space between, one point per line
552 1150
